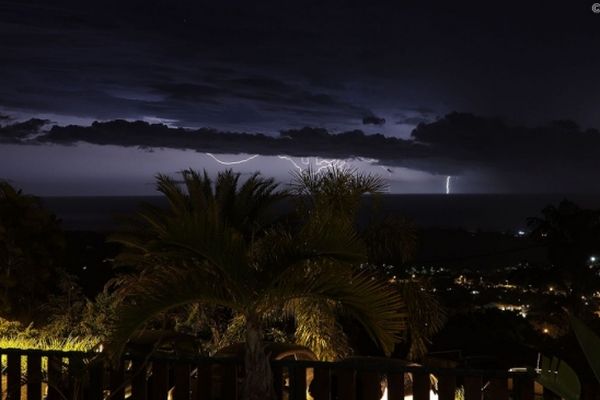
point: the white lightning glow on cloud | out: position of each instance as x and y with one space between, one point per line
231 162
369 160
448 178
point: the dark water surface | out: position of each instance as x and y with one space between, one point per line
485 212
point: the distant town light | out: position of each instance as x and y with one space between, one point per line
521 233
593 258
546 330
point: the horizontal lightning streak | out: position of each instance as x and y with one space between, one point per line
231 162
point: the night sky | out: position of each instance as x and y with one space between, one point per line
474 97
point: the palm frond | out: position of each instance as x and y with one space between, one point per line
318 329
374 303
320 240
392 241
235 332
175 235
176 197
255 199
149 294
196 237
335 189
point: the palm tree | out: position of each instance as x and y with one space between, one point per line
388 239
211 246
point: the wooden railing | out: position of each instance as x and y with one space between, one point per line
52 375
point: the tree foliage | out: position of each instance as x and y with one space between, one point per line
572 236
31 252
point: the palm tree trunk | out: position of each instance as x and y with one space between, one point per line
258 384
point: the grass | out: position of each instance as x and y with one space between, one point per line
45 343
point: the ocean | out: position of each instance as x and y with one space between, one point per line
488 212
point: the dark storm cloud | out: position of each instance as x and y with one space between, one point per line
294 64
21 131
559 154
266 92
131 60
305 142
270 65
373 120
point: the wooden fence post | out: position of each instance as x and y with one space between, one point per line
473 386
368 384
229 385
34 376
75 377
497 389
182 381
320 387
54 377
116 384
202 390
395 386
346 384
13 376
421 385
159 380
139 382
278 381
447 387
297 383
96 385
523 387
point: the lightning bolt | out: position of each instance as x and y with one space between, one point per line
231 162
321 163
292 161
324 163
328 163
448 184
